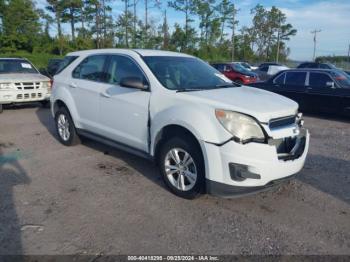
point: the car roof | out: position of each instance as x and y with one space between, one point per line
309 69
142 52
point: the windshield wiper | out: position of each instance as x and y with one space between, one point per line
190 90
227 85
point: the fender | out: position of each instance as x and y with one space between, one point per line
200 121
61 93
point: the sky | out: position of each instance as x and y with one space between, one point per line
330 16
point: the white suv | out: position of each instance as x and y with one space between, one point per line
21 82
206 133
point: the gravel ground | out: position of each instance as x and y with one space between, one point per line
92 199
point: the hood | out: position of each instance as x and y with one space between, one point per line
262 105
12 78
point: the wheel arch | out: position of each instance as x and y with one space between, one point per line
174 130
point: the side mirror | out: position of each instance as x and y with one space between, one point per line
133 82
331 85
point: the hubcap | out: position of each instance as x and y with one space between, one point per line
180 169
63 127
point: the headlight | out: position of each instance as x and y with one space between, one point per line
47 85
243 128
5 85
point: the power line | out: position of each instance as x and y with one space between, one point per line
315 41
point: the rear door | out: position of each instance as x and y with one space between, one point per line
86 85
293 85
323 93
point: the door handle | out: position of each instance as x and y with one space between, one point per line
73 85
105 95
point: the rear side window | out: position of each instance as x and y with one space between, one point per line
65 62
91 68
319 80
121 67
295 78
279 80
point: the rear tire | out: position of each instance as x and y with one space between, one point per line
238 81
182 167
65 128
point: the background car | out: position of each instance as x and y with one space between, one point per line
321 66
246 65
267 70
236 72
316 90
21 82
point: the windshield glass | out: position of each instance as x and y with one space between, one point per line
185 73
342 77
10 66
241 69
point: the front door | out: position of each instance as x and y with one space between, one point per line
324 95
123 112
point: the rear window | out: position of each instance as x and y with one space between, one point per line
296 78
65 62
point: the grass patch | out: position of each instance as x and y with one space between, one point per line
39 60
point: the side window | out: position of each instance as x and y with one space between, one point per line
279 80
91 68
264 68
221 68
64 63
120 67
319 80
295 78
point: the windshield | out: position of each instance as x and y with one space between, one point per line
241 69
185 73
342 78
10 66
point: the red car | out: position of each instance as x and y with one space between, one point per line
236 72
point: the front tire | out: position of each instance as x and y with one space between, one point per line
65 128
182 167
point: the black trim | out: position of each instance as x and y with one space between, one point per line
114 144
228 191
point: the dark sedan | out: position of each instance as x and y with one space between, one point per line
316 90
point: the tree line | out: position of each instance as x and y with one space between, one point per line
210 29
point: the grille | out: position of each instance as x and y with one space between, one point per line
28 96
27 85
282 122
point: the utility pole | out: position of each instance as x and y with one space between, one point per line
315 41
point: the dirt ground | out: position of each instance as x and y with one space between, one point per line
92 199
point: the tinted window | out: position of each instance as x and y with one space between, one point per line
121 67
342 78
8 66
64 63
91 68
279 79
295 78
264 68
319 80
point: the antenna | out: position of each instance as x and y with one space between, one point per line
315 41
